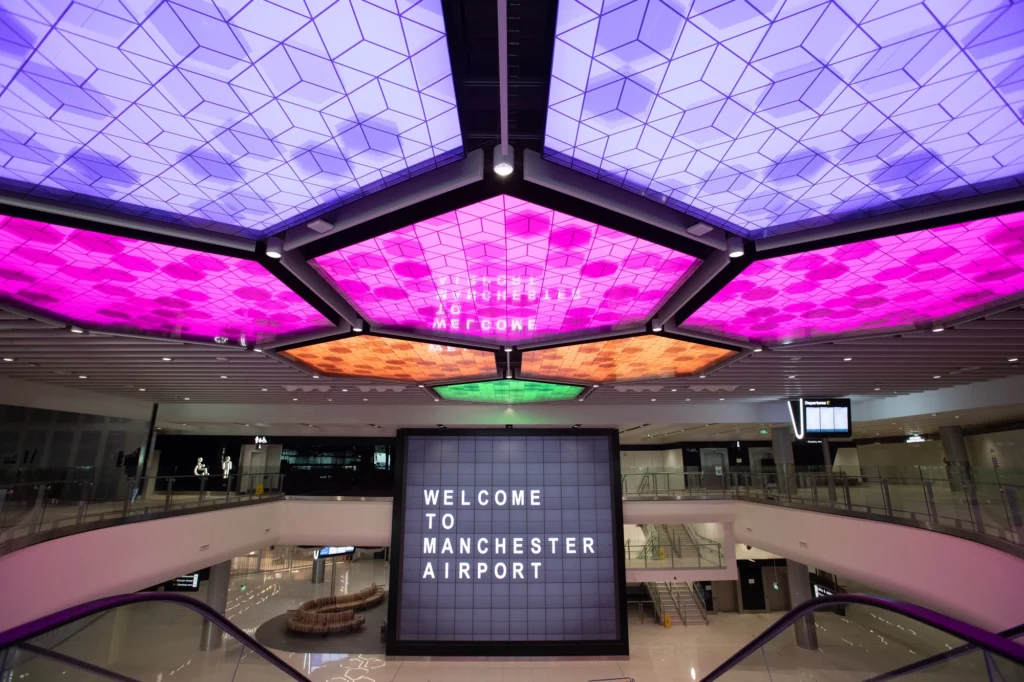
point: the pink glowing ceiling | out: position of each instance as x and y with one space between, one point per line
506 270
900 281
124 284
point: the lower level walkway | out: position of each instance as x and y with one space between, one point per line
160 642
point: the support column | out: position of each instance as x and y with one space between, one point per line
958 465
782 453
212 636
799 592
830 477
319 568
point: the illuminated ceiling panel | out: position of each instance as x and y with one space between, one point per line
884 283
509 392
632 359
397 359
767 117
506 270
233 116
129 285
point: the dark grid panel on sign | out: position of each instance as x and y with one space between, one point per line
572 598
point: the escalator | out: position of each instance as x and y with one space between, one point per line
137 638
853 637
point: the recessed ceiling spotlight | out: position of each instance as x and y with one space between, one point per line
186 399
792 376
365 399
344 390
656 325
330 400
223 376
8 359
437 400
877 388
753 389
257 350
316 376
294 400
674 390
504 163
734 245
758 350
421 386
654 400
703 376
275 247
357 326
1009 359
142 389
956 416
166 359
687 400
721 399
264 390
581 400
82 376
847 359
937 376
938 328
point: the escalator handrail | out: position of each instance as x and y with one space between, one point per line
973 635
935 659
43 625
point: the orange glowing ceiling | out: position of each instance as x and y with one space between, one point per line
636 358
395 359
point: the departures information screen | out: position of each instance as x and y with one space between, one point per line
508 541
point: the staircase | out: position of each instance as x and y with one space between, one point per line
677 600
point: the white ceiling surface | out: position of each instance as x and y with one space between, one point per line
971 362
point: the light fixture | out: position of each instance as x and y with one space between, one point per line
753 389
505 163
295 400
330 400
316 376
581 400
674 390
142 389
654 400
77 330
847 359
437 400
421 386
937 376
734 245
365 399
721 399
275 247
792 376
82 376
344 390
938 328
223 376
656 325
758 350
357 326
257 349
264 390
508 349
186 398
8 359
877 388
596 385
1009 359
166 359
320 225
703 376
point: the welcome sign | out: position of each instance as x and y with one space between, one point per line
508 543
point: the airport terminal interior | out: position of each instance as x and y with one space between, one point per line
511 340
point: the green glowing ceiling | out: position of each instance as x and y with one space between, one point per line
509 391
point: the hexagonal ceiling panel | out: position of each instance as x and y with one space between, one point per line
395 359
888 283
771 116
122 284
636 358
509 392
505 270
239 117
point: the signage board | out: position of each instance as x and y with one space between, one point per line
183 583
820 591
507 544
821 417
324 552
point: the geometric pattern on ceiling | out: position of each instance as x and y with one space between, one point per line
887 283
117 283
508 392
394 359
506 270
233 116
769 117
635 358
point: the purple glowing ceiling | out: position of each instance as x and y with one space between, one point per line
506 270
233 116
892 282
128 285
771 116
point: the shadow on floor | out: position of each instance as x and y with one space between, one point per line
275 634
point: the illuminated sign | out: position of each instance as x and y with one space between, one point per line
324 552
915 438
261 440
508 544
636 358
125 284
821 417
506 270
397 359
509 391
184 583
891 282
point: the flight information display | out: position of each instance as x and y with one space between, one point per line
821 417
508 543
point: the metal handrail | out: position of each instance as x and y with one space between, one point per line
16 635
699 601
969 633
935 659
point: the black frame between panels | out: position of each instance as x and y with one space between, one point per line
617 647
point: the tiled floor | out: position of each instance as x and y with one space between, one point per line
159 643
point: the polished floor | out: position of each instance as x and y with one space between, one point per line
160 643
